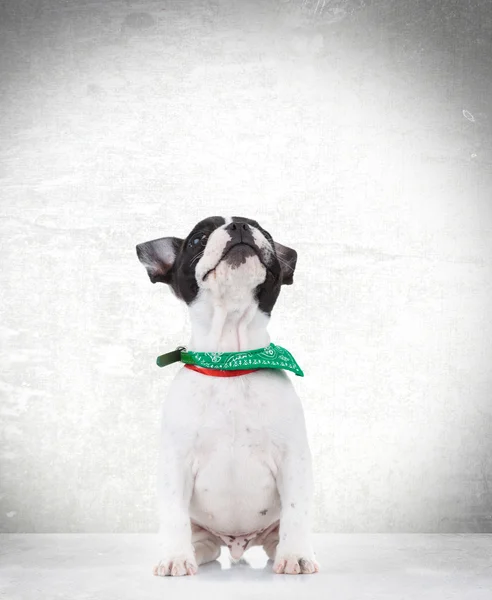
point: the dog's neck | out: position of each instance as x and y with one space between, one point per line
219 326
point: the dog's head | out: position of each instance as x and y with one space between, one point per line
231 257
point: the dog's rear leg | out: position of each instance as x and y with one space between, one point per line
206 551
206 545
270 544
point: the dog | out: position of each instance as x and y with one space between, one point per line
235 467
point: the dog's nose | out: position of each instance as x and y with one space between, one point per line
234 226
239 231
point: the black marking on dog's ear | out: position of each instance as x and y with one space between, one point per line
288 259
158 257
281 272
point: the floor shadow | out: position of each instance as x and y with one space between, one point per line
237 569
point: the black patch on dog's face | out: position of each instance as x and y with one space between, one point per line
184 280
173 261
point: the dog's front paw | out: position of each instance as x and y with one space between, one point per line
177 565
295 564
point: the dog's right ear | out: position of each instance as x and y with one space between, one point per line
158 257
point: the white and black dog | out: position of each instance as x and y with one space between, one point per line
235 464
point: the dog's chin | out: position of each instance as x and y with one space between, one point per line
240 276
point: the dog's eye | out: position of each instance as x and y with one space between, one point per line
198 240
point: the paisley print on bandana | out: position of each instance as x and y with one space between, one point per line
270 357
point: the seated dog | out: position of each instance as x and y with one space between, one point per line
235 464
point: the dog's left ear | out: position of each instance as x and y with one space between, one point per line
287 258
158 257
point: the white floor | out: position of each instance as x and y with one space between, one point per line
119 567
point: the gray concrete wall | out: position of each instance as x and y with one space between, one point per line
357 133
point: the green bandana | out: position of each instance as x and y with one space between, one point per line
270 357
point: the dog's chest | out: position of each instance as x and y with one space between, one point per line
234 454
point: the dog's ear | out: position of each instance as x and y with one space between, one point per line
158 257
287 258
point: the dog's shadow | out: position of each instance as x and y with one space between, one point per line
237 569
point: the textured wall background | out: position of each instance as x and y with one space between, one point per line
358 133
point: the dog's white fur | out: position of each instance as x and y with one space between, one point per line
234 454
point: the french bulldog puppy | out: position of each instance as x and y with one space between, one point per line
235 465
